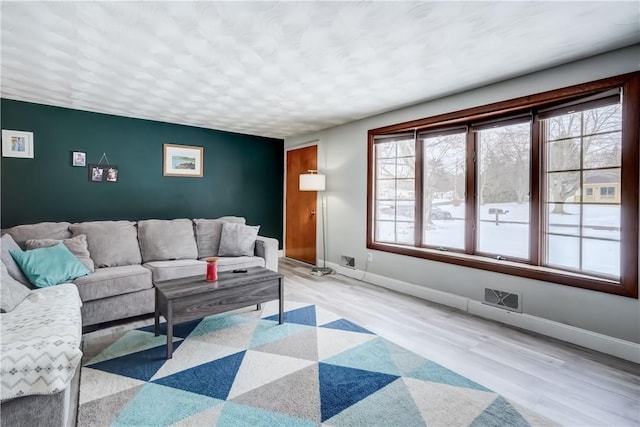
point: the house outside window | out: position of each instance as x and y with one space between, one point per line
536 191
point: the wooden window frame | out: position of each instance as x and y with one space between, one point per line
628 284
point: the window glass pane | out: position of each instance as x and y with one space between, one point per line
503 196
386 150
565 126
444 191
563 187
406 211
406 167
386 189
601 221
603 119
601 256
406 189
405 233
563 218
395 191
605 186
385 231
563 155
601 151
386 210
588 200
406 148
386 169
564 251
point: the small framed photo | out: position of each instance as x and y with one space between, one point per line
97 173
78 158
112 173
16 143
182 160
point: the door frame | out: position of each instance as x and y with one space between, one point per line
309 143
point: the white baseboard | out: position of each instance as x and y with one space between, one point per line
595 341
439 297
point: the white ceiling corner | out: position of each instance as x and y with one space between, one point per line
280 69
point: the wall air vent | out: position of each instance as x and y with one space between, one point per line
507 300
347 261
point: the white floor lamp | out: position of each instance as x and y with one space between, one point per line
314 181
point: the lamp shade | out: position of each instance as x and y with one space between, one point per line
312 182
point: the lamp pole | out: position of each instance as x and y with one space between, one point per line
313 181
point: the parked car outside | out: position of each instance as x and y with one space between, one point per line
437 213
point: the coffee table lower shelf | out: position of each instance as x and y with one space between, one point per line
182 300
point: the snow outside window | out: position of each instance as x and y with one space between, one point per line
583 151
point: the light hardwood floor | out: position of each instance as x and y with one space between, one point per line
571 385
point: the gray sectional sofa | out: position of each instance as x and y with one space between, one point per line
125 259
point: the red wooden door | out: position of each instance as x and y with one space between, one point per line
300 241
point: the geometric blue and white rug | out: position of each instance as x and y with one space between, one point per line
243 369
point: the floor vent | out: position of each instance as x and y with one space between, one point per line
507 300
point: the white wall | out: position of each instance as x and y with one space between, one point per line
343 157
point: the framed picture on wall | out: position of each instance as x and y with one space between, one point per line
78 158
16 143
97 173
112 173
182 160
103 173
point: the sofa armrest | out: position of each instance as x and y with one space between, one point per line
267 248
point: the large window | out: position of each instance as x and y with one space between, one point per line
544 186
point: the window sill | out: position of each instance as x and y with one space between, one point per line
508 267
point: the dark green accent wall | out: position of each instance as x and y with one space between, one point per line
243 174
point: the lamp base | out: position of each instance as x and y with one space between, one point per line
321 271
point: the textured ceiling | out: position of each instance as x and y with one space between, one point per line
285 68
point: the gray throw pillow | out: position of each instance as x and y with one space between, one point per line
8 244
238 239
162 240
111 243
208 232
76 245
12 292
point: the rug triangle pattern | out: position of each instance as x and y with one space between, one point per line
240 369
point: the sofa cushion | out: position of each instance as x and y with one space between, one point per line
231 263
167 239
40 341
110 281
8 244
167 270
208 232
238 239
12 292
111 243
77 245
41 230
49 266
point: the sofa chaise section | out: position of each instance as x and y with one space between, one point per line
40 358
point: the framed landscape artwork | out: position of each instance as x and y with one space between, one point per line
182 160
17 143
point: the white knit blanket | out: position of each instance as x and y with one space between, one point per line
40 342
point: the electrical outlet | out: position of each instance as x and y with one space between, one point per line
370 256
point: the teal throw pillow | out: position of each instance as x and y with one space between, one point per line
49 266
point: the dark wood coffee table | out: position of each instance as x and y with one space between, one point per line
181 300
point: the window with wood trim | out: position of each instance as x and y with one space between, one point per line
544 186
